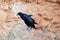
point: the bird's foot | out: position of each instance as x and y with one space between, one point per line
29 28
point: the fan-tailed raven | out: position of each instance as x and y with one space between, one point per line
27 19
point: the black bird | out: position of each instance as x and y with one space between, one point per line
27 19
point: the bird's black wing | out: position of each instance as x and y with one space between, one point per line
27 15
30 15
31 20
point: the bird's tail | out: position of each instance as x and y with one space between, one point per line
34 27
36 23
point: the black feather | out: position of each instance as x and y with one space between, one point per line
27 19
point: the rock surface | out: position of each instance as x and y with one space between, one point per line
45 12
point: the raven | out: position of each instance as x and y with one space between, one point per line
27 19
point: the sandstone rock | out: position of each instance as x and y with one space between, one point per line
57 12
10 15
9 1
1 0
40 1
52 0
56 19
3 6
44 13
20 33
54 27
48 16
3 16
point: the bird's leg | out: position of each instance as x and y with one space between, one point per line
29 28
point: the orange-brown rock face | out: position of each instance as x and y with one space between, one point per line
53 1
3 16
45 12
3 6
